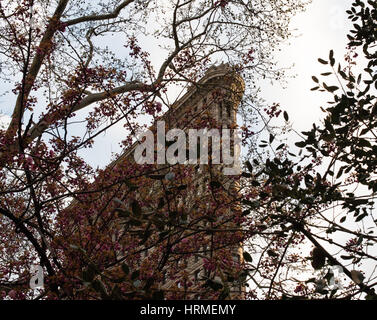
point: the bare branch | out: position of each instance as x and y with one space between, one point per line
94 17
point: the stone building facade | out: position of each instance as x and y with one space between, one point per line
214 100
211 102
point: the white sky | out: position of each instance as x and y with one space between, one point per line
322 27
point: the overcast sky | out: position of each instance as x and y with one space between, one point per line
322 27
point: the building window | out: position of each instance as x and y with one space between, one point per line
184 285
196 275
228 109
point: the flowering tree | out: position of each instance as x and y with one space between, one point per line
89 228
324 196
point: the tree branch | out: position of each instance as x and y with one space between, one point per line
94 17
35 67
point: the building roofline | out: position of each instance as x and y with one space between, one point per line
224 69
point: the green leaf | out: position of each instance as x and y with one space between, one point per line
158 295
280 147
135 275
340 173
161 203
214 285
136 209
173 214
272 253
122 213
246 175
125 269
364 143
146 234
331 57
247 257
88 275
330 88
99 287
311 280
249 166
343 75
359 79
252 204
285 114
245 213
135 222
148 283
361 217
333 292
347 257
315 79
130 185
322 61
215 184
117 280
300 144
156 176
163 234
255 183
318 258
224 294
371 297
93 268
116 293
